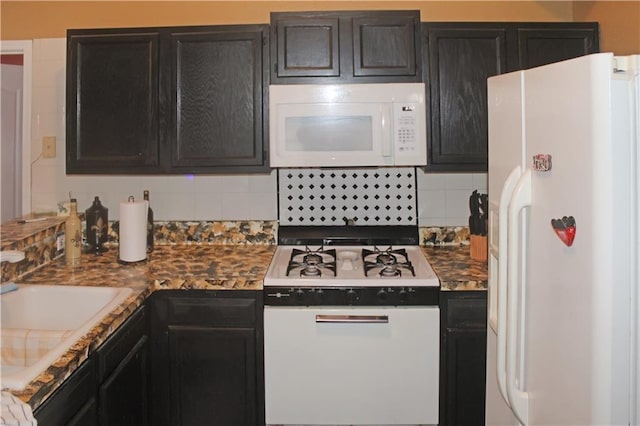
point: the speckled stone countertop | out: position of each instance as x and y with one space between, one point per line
455 268
208 267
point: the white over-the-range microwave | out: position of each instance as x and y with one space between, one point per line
347 125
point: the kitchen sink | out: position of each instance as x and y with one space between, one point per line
41 322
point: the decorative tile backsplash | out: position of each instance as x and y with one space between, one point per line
365 196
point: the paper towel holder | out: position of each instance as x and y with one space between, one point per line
122 261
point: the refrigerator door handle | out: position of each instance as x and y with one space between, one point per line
515 290
500 283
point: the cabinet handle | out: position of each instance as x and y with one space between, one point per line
362 319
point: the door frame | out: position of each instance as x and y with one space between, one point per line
24 48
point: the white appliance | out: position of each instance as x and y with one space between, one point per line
349 125
351 333
562 346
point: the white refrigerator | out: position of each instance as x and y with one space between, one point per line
562 340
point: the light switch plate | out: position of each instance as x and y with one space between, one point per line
48 146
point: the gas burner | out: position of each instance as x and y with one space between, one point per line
312 262
386 262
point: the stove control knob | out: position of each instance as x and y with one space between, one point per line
299 295
382 295
318 296
404 295
352 297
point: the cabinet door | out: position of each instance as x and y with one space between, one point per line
73 402
306 47
212 375
460 59
112 101
207 364
465 380
541 44
123 395
346 47
123 371
463 345
218 81
386 45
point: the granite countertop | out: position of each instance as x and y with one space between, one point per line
455 268
206 267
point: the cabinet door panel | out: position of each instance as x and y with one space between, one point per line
307 47
213 375
123 395
465 381
541 46
217 112
112 97
460 61
385 46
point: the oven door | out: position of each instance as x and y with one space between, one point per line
351 365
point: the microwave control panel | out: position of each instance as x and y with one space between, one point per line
409 123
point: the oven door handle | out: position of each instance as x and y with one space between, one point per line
362 319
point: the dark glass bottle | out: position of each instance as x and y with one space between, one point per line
145 195
97 219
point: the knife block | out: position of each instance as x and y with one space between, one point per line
479 247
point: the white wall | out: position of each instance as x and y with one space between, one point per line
442 198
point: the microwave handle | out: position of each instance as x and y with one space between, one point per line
387 129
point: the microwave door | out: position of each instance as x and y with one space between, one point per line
331 135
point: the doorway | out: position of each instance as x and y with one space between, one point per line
15 110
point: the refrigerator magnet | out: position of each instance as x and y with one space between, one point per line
542 162
565 229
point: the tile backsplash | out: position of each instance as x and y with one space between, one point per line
442 199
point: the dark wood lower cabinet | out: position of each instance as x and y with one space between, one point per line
463 346
73 403
207 358
109 388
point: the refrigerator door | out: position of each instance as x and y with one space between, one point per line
574 312
506 157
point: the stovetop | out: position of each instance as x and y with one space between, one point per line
350 266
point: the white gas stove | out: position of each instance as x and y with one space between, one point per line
354 320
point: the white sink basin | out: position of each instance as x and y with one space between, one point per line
41 322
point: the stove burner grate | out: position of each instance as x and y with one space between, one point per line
312 262
387 262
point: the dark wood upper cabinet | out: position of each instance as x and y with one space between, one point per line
112 101
217 91
459 61
460 56
542 44
167 100
345 47
306 47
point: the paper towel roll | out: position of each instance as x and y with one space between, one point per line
133 231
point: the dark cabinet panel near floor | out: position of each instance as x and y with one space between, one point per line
463 345
123 374
460 56
207 364
167 100
74 402
345 47
213 375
